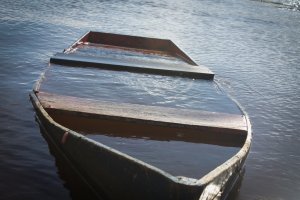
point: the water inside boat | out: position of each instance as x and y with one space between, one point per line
177 155
129 54
137 88
178 158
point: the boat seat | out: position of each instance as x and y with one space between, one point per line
154 122
117 64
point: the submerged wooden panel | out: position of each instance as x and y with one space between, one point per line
146 121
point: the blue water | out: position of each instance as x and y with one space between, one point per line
252 46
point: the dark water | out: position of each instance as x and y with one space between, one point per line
253 47
186 159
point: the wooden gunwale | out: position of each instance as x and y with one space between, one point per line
216 180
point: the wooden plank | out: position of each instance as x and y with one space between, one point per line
183 70
146 121
143 112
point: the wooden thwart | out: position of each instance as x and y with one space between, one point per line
182 70
122 119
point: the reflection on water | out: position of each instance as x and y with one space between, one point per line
253 47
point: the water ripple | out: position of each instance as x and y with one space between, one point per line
253 48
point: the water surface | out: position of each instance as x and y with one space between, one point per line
253 47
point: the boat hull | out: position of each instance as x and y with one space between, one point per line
108 170
115 175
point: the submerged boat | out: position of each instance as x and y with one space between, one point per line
139 119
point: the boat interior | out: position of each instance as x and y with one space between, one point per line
176 120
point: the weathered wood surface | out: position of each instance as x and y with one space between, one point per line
183 70
161 123
142 112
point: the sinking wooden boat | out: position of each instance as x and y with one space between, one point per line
73 108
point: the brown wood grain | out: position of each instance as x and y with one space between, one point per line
161 123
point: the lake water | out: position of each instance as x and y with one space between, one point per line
252 46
